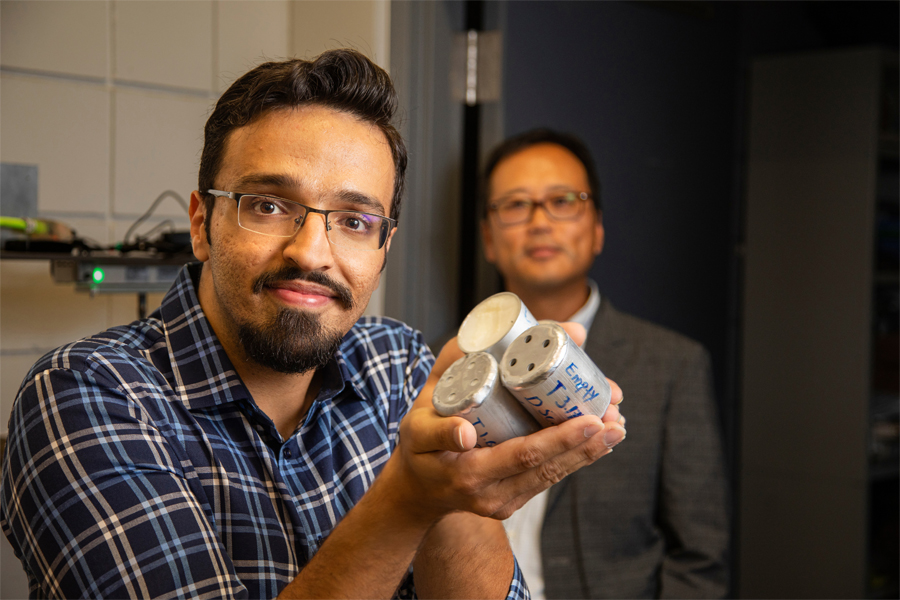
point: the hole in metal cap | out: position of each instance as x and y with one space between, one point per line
527 339
546 343
512 363
531 366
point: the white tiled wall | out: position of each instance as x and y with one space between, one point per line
56 36
168 43
62 126
108 98
158 138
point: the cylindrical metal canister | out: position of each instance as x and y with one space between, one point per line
493 324
552 377
471 389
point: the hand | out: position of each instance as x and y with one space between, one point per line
444 472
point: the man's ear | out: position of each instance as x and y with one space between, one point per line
387 247
487 237
599 234
387 242
199 241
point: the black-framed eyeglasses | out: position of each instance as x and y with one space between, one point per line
277 217
516 209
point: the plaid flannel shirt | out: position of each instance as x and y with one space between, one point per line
138 464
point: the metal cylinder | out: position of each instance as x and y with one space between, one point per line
471 389
493 324
552 377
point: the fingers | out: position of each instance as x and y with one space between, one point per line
518 455
576 331
612 415
521 487
616 395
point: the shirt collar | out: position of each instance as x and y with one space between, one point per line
585 315
202 374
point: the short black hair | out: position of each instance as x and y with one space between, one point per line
343 79
533 137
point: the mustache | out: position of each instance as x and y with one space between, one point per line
343 293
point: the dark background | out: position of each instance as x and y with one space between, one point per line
658 91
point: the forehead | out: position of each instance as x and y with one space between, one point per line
322 152
539 167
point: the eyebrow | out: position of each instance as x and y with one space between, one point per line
285 181
553 188
363 200
269 179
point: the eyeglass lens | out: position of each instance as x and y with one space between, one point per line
519 209
271 216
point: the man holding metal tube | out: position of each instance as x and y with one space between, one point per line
255 436
652 520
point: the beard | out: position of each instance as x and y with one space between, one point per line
294 341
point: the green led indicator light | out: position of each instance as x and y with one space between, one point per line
98 275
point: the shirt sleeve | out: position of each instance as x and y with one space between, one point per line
518 589
95 500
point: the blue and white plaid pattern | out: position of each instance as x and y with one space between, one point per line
138 465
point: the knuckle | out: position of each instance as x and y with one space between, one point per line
551 473
529 458
503 513
467 486
488 507
592 452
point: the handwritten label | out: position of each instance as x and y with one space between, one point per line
487 442
581 385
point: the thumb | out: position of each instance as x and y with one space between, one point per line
426 431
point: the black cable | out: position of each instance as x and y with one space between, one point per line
150 210
156 227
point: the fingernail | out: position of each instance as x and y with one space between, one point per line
613 437
459 439
621 421
592 429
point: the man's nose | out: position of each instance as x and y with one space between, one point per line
539 217
310 249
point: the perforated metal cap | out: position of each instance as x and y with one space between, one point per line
534 355
466 384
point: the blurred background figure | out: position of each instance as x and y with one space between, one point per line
654 521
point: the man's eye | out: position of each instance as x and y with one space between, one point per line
562 200
356 222
267 207
516 204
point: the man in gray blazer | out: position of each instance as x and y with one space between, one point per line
653 519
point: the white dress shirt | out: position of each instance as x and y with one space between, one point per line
524 526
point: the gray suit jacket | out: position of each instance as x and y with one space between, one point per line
651 519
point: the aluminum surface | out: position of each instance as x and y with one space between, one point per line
552 377
471 389
493 324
